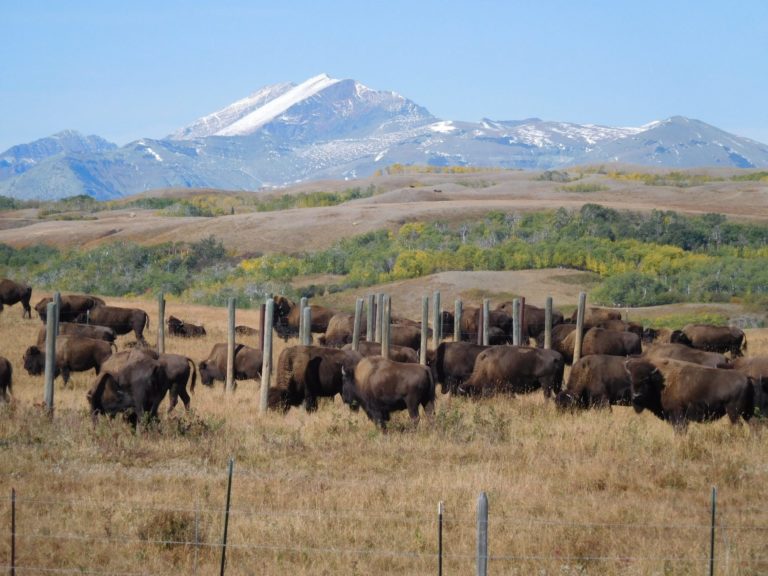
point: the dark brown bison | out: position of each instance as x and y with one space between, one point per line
12 292
662 336
756 368
515 369
287 318
73 354
678 391
715 338
72 305
384 386
602 341
618 326
686 354
121 320
594 315
562 340
177 327
452 363
396 353
406 335
533 318
135 389
248 363
340 330
246 330
470 324
6 379
84 330
305 373
179 371
597 380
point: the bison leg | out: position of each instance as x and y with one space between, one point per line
173 399
65 376
184 397
310 403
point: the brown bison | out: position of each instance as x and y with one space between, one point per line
594 315
134 389
246 330
84 330
396 353
12 292
6 379
384 386
72 305
515 369
121 320
597 380
595 341
715 338
662 336
678 391
533 318
305 373
470 324
686 354
177 327
73 354
287 318
452 363
756 368
247 366
340 330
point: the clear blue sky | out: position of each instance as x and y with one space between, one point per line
132 69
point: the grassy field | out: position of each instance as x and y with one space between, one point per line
608 492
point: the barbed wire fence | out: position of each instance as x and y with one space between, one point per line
129 538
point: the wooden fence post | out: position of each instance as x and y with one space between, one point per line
523 329
262 313
486 321
440 538
424 325
579 326
356 327
306 335
161 323
230 382
516 322
482 535
57 301
437 317
548 323
370 317
303 327
50 353
386 324
457 310
266 366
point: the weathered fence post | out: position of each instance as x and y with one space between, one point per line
13 531
712 534
548 323
440 538
266 366
516 322
161 323
306 335
50 354
386 324
57 301
226 516
356 327
486 321
370 316
457 306
482 535
437 320
262 313
379 315
302 321
579 326
522 328
424 326
230 383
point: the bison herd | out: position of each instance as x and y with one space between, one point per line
695 373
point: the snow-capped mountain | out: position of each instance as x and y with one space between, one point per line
331 128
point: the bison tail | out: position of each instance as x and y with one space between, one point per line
146 320
194 375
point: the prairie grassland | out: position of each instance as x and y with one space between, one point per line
602 492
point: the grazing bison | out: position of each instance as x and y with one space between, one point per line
452 363
134 389
288 317
305 373
533 318
179 370
84 330
247 366
514 369
73 354
12 292
756 368
663 336
715 338
246 330
686 354
121 320
72 305
396 353
6 379
603 341
594 315
177 327
383 386
340 330
597 380
678 391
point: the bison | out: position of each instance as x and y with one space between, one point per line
12 292
340 330
73 354
287 317
514 369
686 354
73 329
470 324
597 380
756 368
305 373
397 353
452 363
383 386
715 338
247 365
177 327
533 318
70 306
678 391
6 379
121 320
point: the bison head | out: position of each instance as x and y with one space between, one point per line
283 306
34 361
646 384
206 374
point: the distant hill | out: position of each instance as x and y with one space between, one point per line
328 128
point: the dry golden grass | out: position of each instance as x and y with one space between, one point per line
606 492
